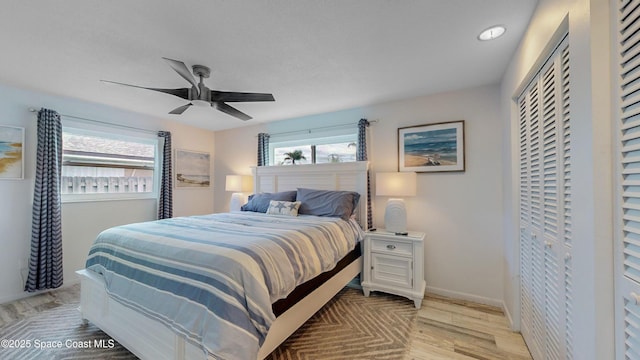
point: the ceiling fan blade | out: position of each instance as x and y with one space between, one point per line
230 110
183 71
181 93
231 96
180 110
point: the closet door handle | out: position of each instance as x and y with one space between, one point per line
636 298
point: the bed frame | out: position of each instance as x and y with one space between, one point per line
149 339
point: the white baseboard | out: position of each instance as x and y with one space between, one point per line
25 294
464 296
507 314
19 296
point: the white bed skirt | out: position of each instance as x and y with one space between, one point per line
149 339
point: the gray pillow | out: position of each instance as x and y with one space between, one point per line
260 202
340 204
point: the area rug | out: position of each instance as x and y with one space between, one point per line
57 334
350 326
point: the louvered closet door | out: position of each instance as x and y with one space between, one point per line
526 264
545 209
564 197
627 260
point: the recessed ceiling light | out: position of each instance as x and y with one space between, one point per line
492 33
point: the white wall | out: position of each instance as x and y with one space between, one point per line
81 222
589 46
460 212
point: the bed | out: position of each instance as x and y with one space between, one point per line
147 334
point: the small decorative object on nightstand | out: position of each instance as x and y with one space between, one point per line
396 185
394 264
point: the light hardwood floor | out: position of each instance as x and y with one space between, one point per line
444 328
453 329
32 305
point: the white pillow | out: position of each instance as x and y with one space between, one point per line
277 207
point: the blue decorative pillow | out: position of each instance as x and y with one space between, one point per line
260 202
340 204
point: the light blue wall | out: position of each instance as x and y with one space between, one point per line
460 212
81 222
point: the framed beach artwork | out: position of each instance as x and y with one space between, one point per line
431 147
192 169
11 153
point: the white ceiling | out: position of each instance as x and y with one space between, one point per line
315 56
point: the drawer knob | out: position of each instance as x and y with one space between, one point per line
391 247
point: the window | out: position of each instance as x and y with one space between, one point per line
98 165
339 152
315 151
282 155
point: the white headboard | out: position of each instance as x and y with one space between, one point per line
347 176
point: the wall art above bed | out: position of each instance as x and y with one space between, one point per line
11 153
432 147
192 168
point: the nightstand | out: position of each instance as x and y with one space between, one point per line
394 264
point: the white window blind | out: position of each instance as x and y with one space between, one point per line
100 165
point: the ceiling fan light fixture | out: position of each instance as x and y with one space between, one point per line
216 99
492 33
200 103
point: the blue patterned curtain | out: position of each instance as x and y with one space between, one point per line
45 263
165 203
361 155
263 149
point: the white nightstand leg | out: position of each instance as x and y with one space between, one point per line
417 302
365 291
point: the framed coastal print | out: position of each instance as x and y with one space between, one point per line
11 153
192 169
431 147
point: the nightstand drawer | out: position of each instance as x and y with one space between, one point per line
392 247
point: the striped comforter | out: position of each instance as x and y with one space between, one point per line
214 277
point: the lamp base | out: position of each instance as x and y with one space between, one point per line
237 200
395 216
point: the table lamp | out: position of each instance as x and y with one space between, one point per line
239 184
395 185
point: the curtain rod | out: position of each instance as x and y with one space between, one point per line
103 122
308 131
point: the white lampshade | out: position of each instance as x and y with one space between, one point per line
238 183
396 184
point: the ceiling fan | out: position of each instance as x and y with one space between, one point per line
200 95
